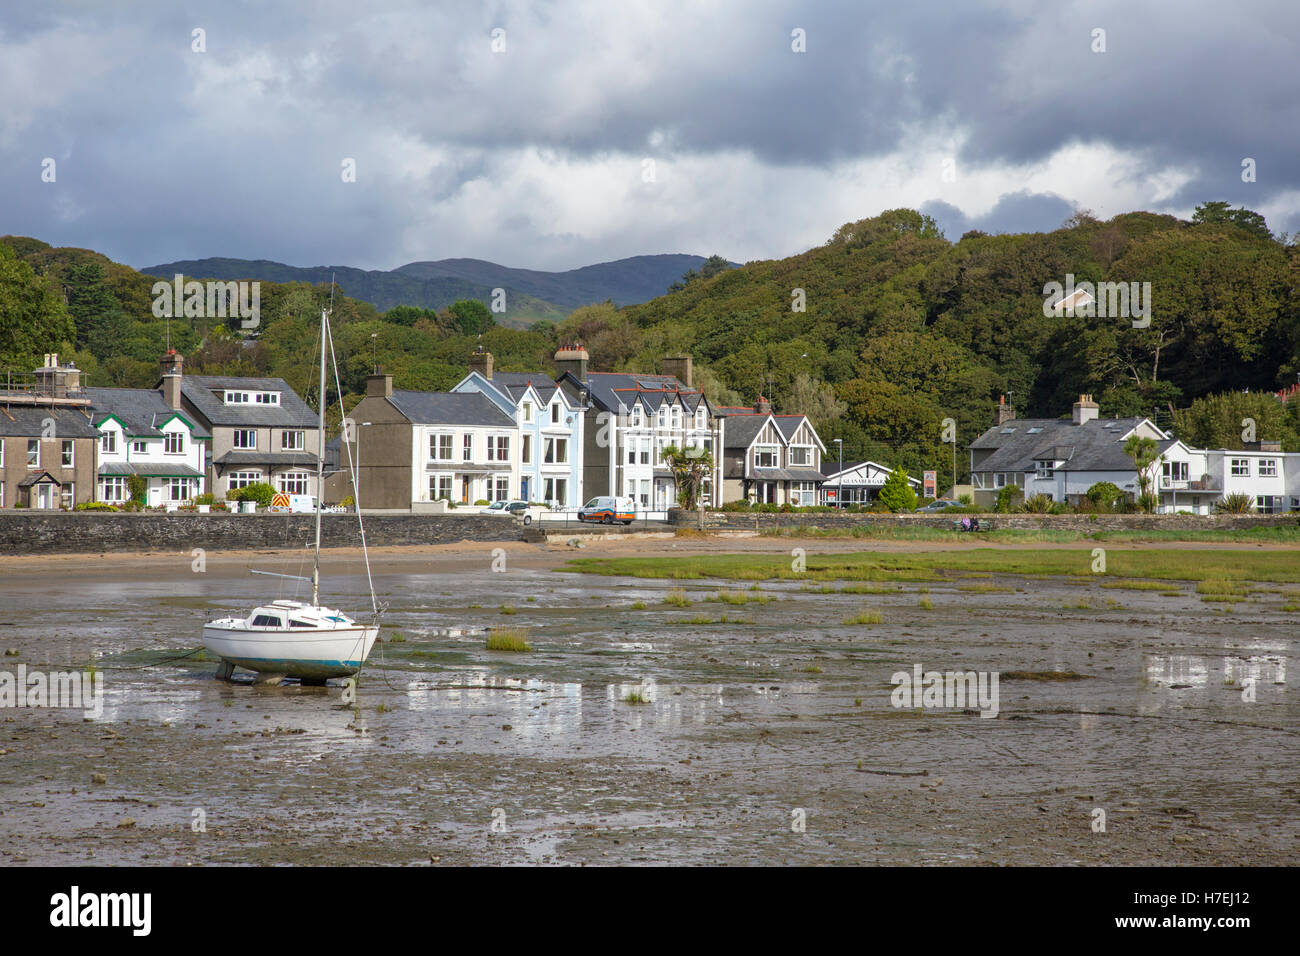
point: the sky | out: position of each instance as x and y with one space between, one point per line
555 135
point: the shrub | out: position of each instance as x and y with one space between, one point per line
138 487
95 506
966 499
205 499
258 491
347 502
1039 504
1104 496
1236 503
1009 498
482 503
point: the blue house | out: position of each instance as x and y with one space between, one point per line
549 450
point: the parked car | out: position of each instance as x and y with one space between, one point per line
496 508
939 504
608 510
517 507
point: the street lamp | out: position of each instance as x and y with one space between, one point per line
839 490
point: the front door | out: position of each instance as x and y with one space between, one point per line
464 491
43 496
523 490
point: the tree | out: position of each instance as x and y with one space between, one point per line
690 468
707 270
1010 498
33 320
1230 419
814 398
1104 496
471 316
1143 452
896 493
1214 213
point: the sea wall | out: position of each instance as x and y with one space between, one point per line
47 532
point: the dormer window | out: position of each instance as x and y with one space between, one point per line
635 418
528 411
555 413
236 398
1044 469
268 398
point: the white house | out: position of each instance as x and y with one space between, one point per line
140 434
550 430
857 483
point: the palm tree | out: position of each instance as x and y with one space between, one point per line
690 468
1143 452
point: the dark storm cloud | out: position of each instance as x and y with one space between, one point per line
165 153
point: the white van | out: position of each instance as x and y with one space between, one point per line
608 509
294 504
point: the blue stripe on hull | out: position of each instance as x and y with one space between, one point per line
296 668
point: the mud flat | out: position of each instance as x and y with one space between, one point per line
767 735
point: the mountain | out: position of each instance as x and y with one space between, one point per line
531 295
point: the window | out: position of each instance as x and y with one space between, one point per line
663 416
34 452
701 418
242 479
1269 504
236 398
266 620
631 451
1240 467
636 416
440 447
107 443
557 451
644 497
1268 468
527 449
139 448
174 443
528 411
246 438
291 441
68 495
2 456
1174 471
555 413
645 451
268 398
676 413
1008 431
293 623
178 489
765 456
999 479
293 483
67 453
112 488
498 448
800 455
1044 469
439 487
562 490
503 489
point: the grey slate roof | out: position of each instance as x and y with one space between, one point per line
789 424
832 467
141 410
741 430
29 421
514 384
450 408
149 469
292 412
612 390
37 477
276 459
1087 447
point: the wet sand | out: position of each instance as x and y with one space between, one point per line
777 717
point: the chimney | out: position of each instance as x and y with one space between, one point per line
58 381
1005 412
1085 410
1266 444
379 386
679 367
480 360
171 379
572 357
762 406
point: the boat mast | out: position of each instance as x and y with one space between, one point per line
320 457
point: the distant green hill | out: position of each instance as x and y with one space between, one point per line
531 295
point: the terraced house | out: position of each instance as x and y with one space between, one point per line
413 449
47 441
550 428
261 431
630 419
769 458
146 433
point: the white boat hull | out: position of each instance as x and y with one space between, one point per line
309 654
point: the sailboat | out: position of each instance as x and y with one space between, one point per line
291 638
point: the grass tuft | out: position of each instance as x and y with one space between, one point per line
508 639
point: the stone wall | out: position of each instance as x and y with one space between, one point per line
751 521
46 532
